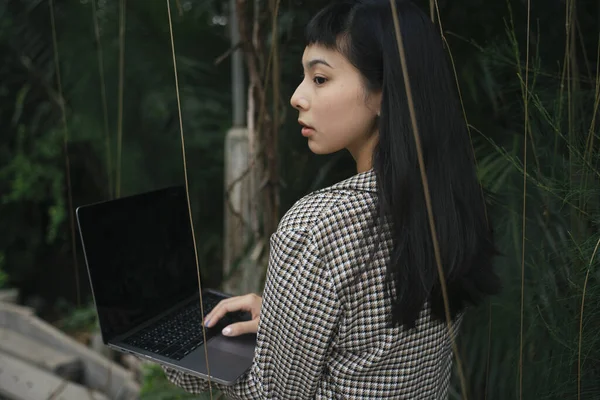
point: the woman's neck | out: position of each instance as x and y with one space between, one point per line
363 154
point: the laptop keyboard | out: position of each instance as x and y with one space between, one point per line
176 335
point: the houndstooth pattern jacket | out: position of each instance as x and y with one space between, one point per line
322 331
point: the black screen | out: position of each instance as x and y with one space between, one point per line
140 257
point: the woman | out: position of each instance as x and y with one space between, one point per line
352 306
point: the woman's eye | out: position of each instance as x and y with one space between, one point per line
319 80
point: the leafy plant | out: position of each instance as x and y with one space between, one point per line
155 386
78 319
537 340
3 275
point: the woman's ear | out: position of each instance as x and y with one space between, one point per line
376 102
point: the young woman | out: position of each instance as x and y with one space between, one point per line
352 306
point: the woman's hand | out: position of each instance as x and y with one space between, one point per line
250 303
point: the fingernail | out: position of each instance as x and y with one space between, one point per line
207 322
227 331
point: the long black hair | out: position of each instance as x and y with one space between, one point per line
363 31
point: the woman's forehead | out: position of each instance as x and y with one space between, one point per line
317 54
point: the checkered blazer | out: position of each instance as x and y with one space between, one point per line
322 332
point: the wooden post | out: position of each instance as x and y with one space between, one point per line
237 232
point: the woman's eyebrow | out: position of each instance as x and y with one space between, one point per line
312 63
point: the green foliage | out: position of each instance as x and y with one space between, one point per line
33 175
3 275
77 319
35 230
561 225
155 386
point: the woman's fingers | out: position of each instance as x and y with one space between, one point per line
241 328
220 310
250 303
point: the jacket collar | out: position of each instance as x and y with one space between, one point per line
363 181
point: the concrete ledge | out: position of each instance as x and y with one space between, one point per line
22 381
98 373
39 355
9 295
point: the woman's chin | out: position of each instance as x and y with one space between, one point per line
317 148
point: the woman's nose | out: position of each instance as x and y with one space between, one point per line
299 101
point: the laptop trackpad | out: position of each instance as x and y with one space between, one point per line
240 345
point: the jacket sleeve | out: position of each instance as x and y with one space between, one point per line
300 311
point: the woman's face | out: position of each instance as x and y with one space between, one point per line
334 107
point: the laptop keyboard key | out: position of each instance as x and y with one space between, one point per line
177 335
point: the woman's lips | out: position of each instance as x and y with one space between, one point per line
307 131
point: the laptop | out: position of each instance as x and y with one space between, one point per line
142 269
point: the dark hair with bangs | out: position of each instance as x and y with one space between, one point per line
363 31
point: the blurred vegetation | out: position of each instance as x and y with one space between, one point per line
488 44
76 319
3 275
157 387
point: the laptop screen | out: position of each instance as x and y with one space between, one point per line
140 257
